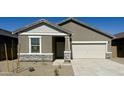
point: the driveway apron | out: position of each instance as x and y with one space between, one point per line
97 67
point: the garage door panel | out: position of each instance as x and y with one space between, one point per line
89 50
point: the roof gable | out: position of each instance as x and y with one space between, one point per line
40 23
84 25
43 29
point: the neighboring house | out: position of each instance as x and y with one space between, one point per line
44 41
118 45
6 38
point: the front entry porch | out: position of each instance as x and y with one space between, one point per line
61 48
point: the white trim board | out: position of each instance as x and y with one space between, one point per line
89 42
67 51
34 36
109 52
44 34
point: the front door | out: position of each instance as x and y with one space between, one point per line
60 50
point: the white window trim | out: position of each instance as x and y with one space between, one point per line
40 37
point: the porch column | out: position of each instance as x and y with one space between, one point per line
67 52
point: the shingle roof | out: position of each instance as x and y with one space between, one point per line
85 25
119 35
7 33
41 21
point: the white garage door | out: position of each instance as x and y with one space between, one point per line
88 50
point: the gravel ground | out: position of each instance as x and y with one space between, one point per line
41 69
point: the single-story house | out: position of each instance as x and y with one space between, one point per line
69 39
10 41
118 45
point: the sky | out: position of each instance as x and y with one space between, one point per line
112 25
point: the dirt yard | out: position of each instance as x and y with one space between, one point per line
39 69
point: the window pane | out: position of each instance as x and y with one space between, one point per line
35 49
34 41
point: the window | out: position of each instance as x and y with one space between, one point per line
35 46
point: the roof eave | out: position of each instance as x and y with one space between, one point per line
7 33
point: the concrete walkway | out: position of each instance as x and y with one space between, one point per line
61 62
97 67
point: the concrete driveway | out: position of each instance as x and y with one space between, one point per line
97 67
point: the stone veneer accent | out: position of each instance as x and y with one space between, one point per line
108 55
36 58
67 56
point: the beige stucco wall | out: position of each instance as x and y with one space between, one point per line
47 44
114 51
80 33
23 44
